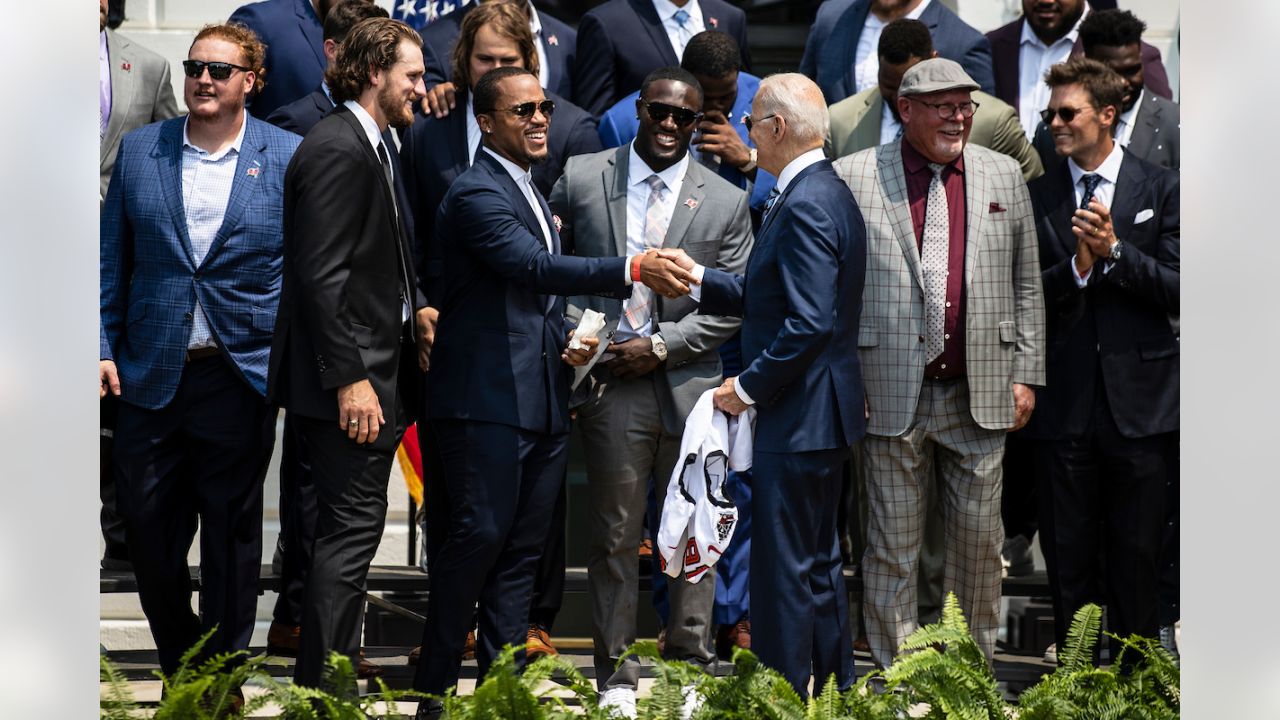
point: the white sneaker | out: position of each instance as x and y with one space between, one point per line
620 702
1051 654
692 702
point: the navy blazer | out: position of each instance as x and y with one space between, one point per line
622 41
1120 331
832 46
501 303
295 61
558 41
150 279
619 126
1006 39
433 154
800 301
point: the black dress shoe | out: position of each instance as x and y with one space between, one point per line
430 709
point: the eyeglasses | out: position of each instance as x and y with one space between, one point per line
524 111
217 70
946 111
749 121
684 117
1066 113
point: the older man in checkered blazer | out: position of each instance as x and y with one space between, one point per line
951 342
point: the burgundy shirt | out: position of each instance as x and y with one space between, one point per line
950 364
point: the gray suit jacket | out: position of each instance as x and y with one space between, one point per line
711 223
855 125
140 94
1155 135
1003 303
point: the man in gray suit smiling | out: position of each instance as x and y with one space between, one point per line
951 342
659 358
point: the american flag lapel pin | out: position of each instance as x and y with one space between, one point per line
253 171
714 22
691 204
555 220
126 66
553 41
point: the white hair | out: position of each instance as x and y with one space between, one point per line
798 99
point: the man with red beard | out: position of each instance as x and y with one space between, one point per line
347 322
190 277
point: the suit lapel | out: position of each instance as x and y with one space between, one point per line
168 158
1127 202
894 185
615 189
687 205
866 133
975 197
1060 215
118 56
303 9
457 130
844 42
657 33
1144 127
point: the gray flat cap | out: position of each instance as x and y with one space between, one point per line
935 75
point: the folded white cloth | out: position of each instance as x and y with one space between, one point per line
698 517
589 326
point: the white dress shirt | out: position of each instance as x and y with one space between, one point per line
866 58
785 178
535 26
206 190
1105 193
638 172
473 132
374 137
1034 60
890 127
678 35
1124 127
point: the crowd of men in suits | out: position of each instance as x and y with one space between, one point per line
943 268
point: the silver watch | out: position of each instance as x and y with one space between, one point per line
1117 249
659 347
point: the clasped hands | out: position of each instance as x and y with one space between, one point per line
1094 235
667 272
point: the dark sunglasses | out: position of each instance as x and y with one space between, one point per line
684 117
1066 113
525 111
750 121
217 70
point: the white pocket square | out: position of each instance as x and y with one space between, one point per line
1144 216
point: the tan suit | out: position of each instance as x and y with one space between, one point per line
948 433
855 125
141 93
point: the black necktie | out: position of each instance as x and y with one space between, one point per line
1091 183
404 272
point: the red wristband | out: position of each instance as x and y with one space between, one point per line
635 268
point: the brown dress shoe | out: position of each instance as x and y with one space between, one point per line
282 639
468 650
730 636
662 641
646 548
538 642
861 645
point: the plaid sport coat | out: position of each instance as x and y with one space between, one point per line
1003 302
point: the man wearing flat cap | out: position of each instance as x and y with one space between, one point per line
951 343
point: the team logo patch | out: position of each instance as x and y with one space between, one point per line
724 526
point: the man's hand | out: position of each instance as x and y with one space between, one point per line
633 358
663 276
578 358
717 136
679 257
427 318
726 398
359 412
440 99
1093 227
1024 401
1084 256
108 379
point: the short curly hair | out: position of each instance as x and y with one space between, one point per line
253 50
1110 28
373 44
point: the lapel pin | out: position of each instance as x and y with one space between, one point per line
555 220
714 22
253 171
126 66
552 40
691 204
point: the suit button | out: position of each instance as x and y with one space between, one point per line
188 316
196 276
921 338
544 356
